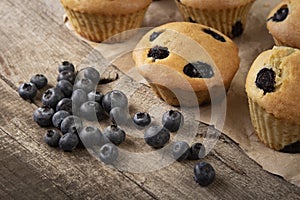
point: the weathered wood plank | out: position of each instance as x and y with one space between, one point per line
28 164
34 40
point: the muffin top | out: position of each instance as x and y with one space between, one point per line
181 51
214 4
106 6
273 82
283 23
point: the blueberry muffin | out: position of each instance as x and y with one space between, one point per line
229 16
284 25
273 97
97 20
186 63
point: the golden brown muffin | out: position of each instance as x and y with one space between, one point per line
97 20
284 25
227 16
183 61
272 88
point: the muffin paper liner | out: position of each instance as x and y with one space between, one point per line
275 133
222 20
185 98
97 28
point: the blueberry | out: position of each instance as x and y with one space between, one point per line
291 148
65 65
85 84
197 151
156 136
141 119
280 15
237 29
108 153
66 87
92 74
68 141
39 80
172 120
27 91
214 34
114 98
58 117
64 104
155 35
79 96
198 70
95 96
72 124
115 134
119 115
92 136
43 116
158 52
52 96
52 138
91 111
66 75
204 173
180 150
265 80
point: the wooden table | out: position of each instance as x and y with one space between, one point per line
34 40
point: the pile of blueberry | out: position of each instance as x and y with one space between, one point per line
75 99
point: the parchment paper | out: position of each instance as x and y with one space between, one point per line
237 125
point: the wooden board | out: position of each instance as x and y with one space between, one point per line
34 40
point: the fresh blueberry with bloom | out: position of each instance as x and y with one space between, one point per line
66 87
114 98
52 138
172 120
95 96
141 119
79 96
197 151
64 104
204 173
119 116
156 136
85 84
66 75
91 111
58 117
180 150
52 96
71 124
43 116
27 91
39 80
66 65
115 134
68 141
108 153
92 136
92 74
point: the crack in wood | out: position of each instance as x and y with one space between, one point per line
151 194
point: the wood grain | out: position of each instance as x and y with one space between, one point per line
34 40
